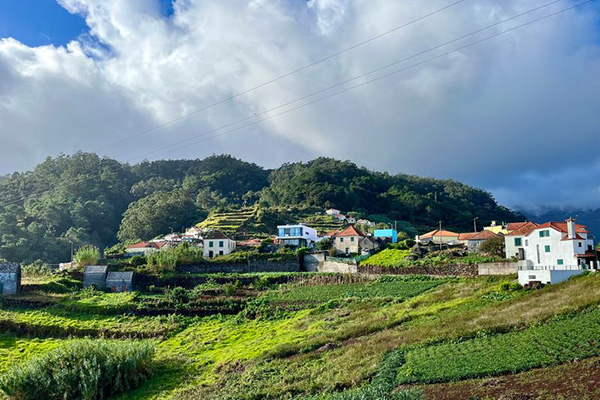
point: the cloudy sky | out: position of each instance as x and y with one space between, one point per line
517 114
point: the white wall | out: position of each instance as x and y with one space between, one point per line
227 247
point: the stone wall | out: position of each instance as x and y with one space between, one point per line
319 263
251 267
499 268
441 270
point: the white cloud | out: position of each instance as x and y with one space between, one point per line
491 114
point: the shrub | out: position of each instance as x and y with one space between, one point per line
137 260
177 295
493 247
83 369
36 269
87 255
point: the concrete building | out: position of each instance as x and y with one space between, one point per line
438 237
386 234
144 248
119 281
298 235
95 275
216 243
473 240
10 279
551 252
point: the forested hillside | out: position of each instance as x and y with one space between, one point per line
86 199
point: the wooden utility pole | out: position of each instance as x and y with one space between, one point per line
440 235
475 224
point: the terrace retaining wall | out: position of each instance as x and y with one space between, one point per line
319 263
499 268
441 270
252 266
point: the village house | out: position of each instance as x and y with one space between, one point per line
119 281
10 279
332 211
298 235
95 276
144 248
437 237
386 234
348 241
216 243
513 241
473 240
503 228
552 252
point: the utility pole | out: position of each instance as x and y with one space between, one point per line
475 224
71 250
396 226
440 235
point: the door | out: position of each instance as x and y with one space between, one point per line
123 288
113 289
210 254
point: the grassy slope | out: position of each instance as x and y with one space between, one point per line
339 340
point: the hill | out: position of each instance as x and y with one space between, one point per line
590 218
329 337
85 199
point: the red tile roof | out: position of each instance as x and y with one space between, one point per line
562 227
524 230
438 233
577 237
513 226
466 235
249 243
484 235
144 245
215 235
350 231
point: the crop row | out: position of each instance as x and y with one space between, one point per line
556 342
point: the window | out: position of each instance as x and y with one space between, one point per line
220 252
547 249
221 243
560 261
341 240
580 245
545 233
210 244
352 239
518 242
526 242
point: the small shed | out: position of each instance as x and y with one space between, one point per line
10 279
95 275
119 281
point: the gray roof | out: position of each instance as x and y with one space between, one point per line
10 268
120 276
96 269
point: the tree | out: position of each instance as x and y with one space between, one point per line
158 214
494 246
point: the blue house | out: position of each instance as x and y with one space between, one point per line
387 234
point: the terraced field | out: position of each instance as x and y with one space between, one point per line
326 337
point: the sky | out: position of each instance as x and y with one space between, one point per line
515 114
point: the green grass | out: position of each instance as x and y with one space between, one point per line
388 258
15 349
556 342
400 289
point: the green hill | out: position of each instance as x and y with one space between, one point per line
84 199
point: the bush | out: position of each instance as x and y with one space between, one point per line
87 255
493 247
36 269
83 369
177 295
137 261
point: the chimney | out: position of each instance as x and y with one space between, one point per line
571 228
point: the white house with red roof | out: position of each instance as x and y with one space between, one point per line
216 243
144 248
438 236
350 241
551 252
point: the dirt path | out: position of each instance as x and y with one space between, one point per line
574 381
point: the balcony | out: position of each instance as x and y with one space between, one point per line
552 268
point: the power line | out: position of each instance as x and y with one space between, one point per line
374 79
269 82
254 116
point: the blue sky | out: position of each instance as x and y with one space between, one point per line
42 22
39 22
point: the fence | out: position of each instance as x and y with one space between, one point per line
351 260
